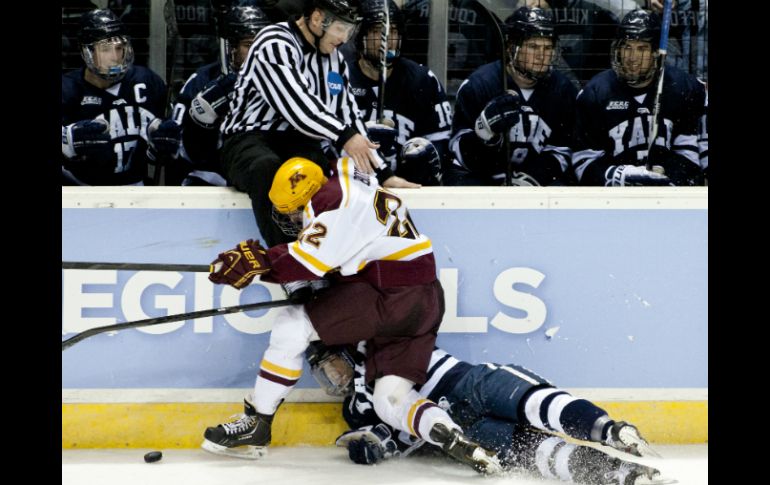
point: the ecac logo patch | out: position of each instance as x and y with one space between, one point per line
335 82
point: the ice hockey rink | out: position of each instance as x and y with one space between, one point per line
321 466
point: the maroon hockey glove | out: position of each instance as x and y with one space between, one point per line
237 267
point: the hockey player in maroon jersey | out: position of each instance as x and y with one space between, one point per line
383 289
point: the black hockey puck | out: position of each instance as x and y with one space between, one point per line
153 456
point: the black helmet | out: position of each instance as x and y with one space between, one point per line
99 26
373 14
241 22
345 10
523 24
640 25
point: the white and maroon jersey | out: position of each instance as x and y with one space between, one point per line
353 227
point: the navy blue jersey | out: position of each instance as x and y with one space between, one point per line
613 127
540 142
200 146
129 106
414 99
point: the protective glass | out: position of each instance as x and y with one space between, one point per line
109 58
334 374
339 29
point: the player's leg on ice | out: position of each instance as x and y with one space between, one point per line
400 406
520 395
551 457
249 434
554 409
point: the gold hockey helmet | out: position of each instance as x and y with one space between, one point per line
295 182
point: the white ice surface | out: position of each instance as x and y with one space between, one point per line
320 466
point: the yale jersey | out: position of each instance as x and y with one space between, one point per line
540 142
355 228
414 100
129 106
613 126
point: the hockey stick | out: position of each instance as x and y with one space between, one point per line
662 55
192 268
383 61
504 79
172 318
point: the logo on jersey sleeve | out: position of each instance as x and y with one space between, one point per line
617 105
335 82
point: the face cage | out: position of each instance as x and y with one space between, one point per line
373 56
334 374
229 47
633 80
533 76
285 222
112 73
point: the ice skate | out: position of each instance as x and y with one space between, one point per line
458 446
245 437
626 438
636 474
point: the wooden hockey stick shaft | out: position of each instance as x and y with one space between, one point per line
171 318
192 268
662 48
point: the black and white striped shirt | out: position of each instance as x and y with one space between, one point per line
286 84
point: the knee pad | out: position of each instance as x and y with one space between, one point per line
389 395
292 331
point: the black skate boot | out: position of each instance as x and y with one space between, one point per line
246 437
636 474
626 438
458 446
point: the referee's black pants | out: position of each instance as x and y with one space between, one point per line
250 161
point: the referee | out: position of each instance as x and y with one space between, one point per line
291 95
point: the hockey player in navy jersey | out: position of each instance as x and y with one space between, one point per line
614 112
415 145
112 124
506 408
384 290
205 97
536 114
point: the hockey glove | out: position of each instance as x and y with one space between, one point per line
521 179
87 138
213 101
369 445
630 175
420 162
498 116
299 292
237 267
385 135
164 137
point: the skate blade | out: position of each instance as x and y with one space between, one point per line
485 464
247 452
646 450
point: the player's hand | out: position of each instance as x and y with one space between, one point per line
362 152
164 136
87 138
237 267
421 161
498 116
213 102
631 175
396 182
369 445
